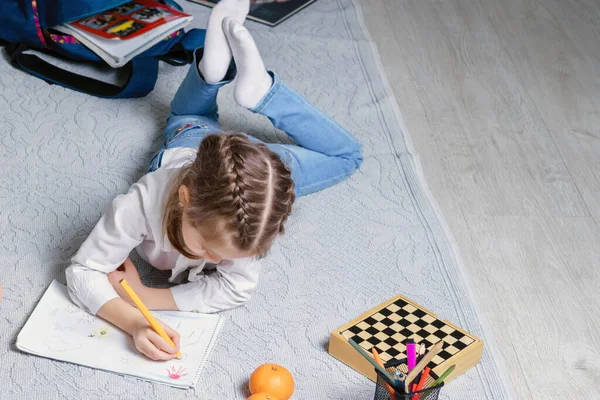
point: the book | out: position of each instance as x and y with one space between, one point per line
121 33
60 330
268 12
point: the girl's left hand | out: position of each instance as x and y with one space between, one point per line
129 272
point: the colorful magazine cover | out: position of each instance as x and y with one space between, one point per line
129 20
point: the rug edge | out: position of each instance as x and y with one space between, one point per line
453 251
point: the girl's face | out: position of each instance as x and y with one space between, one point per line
214 251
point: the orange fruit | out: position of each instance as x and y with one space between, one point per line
262 396
273 379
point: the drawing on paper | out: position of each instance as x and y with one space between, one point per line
60 327
193 337
62 331
82 315
176 373
59 344
85 318
72 308
99 333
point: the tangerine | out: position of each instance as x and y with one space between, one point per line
273 379
262 396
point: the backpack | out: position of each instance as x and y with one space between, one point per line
25 25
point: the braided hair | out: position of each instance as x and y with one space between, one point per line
240 188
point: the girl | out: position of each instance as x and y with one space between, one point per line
211 202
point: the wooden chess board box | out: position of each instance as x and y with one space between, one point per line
387 326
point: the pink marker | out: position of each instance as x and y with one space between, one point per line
411 354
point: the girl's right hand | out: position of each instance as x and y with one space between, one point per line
150 344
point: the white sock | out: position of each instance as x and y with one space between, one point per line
252 81
217 54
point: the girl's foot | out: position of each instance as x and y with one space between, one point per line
217 54
252 81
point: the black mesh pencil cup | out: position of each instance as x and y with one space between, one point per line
382 392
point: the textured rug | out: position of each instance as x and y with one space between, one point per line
64 156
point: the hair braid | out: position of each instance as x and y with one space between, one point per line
290 196
235 167
238 190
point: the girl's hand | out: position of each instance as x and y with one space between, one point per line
129 272
150 344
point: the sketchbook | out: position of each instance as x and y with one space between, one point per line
60 330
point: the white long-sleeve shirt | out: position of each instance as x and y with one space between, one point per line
135 220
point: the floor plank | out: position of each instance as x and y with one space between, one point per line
489 137
557 56
502 101
538 292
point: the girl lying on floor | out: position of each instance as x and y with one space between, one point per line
210 200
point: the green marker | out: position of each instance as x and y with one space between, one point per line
443 376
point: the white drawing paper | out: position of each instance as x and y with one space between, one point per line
60 330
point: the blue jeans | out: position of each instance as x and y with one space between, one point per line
325 153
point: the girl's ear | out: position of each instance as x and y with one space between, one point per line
184 196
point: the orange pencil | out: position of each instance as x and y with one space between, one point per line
380 362
413 388
422 381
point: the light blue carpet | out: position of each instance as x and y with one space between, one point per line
64 156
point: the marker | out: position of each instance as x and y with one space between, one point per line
380 362
400 381
376 357
397 376
411 354
144 310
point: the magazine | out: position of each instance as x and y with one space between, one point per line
119 34
268 12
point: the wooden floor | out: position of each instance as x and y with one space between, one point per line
502 101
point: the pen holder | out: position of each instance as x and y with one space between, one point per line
382 392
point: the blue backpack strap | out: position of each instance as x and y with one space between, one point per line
142 74
183 51
193 39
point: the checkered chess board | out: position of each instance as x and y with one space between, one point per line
388 328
